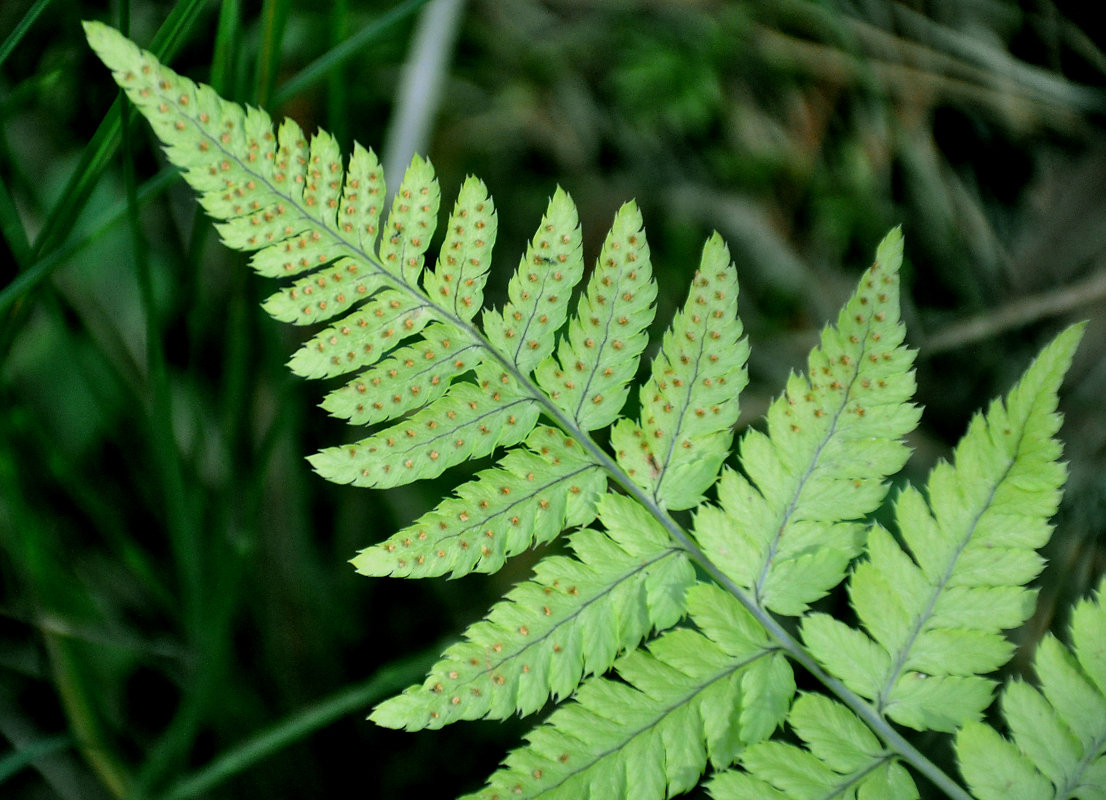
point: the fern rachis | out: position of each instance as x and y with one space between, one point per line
664 642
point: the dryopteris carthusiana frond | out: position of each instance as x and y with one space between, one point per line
439 380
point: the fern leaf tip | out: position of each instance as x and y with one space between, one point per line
890 248
108 43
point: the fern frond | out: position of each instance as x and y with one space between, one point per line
440 380
786 530
652 734
841 758
573 618
1057 747
933 616
446 391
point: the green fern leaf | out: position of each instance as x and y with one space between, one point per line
689 403
409 378
530 497
361 338
540 289
787 532
334 289
1058 733
652 734
293 202
470 421
935 620
572 619
842 758
590 377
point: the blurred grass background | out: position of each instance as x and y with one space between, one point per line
177 617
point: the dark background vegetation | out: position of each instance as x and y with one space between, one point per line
177 617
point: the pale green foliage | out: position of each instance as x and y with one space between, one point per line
590 377
842 756
934 621
573 618
531 496
660 640
1058 732
653 733
786 533
687 403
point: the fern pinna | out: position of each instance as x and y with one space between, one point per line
669 642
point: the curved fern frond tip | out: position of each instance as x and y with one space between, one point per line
437 388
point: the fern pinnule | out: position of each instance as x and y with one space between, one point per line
470 421
458 278
364 336
787 525
689 403
573 618
531 495
409 378
598 355
539 291
1057 744
933 614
